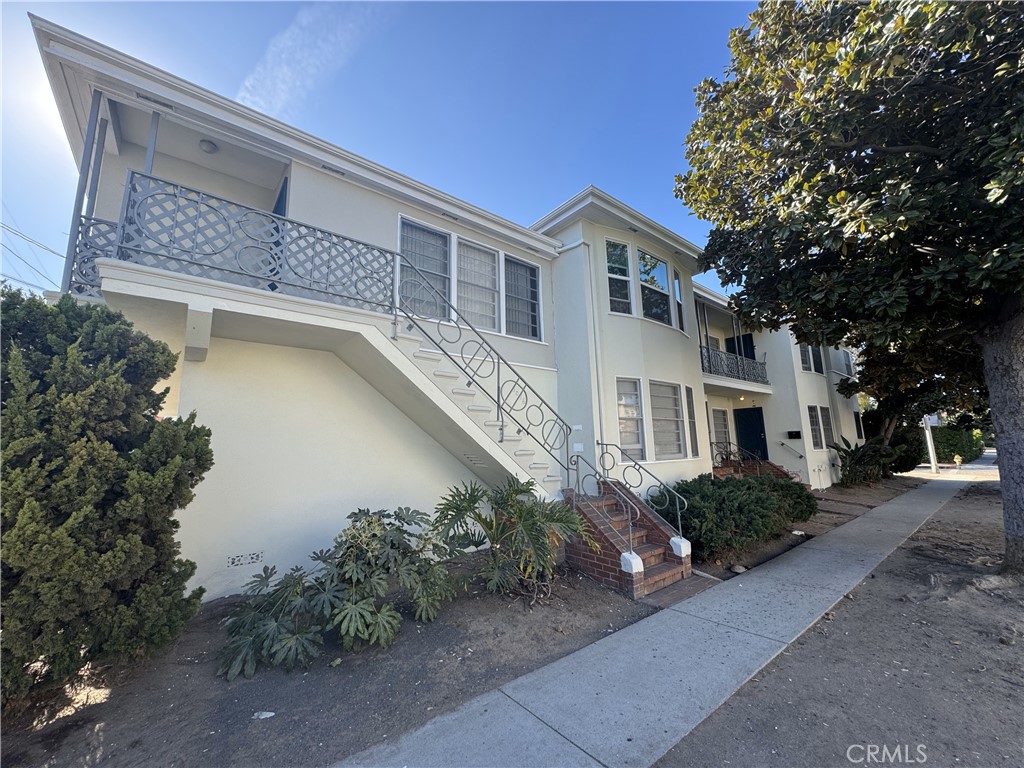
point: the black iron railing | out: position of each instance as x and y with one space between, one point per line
719 363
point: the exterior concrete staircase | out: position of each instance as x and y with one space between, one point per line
523 449
622 524
742 468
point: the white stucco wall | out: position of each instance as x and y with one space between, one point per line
299 441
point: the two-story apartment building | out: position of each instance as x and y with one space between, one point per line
355 338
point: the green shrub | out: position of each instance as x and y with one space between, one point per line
283 621
523 533
728 514
91 482
796 503
864 463
909 445
953 441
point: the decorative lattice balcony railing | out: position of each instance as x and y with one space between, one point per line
184 230
719 363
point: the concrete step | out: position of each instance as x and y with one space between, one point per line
463 392
479 408
442 374
524 453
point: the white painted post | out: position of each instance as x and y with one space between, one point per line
930 442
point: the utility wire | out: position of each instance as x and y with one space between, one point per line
26 238
10 217
24 261
23 282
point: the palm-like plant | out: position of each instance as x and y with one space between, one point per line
523 532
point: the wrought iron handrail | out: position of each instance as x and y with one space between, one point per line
477 358
791 449
720 363
169 225
661 500
723 452
581 496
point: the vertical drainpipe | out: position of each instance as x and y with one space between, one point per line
83 180
833 396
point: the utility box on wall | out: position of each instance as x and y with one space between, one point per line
793 434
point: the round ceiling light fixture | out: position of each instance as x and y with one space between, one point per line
208 146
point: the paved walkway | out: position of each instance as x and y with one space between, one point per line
626 699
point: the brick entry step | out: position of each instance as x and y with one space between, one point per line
609 524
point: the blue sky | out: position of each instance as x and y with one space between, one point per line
513 107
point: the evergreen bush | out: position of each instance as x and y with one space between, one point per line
91 482
796 503
953 441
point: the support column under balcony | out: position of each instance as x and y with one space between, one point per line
84 169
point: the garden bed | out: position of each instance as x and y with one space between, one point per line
173 711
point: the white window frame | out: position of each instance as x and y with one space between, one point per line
815 423
627 278
499 262
454 241
808 358
540 305
691 422
667 293
679 421
641 447
714 425
678 299
452 246
828 427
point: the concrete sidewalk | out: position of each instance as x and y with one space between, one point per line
626 699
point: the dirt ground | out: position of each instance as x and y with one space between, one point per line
836 506
924 659
173 711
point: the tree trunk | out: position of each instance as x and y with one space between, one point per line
888 427
1003 352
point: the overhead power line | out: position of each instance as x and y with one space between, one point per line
23 282
24 261
31 241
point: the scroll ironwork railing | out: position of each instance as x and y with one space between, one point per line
588 477
730 454
177 228
719 363
424 307
660 496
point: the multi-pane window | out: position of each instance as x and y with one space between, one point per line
631 418
618 277
720 420
478 285
848 362
812 413
667 420
425 289
677 287
654 289
858 425
522 299
691 418
826 426
810 358
714 342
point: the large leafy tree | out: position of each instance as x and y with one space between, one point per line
908 382
863 165
91 482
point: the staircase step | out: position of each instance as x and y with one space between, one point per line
601 502
479 408
661 575
552 479
441 374
651 554
406 336
494 423
513 438
427 354
537 466
463 392
523 453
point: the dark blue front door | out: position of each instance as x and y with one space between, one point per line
750 431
